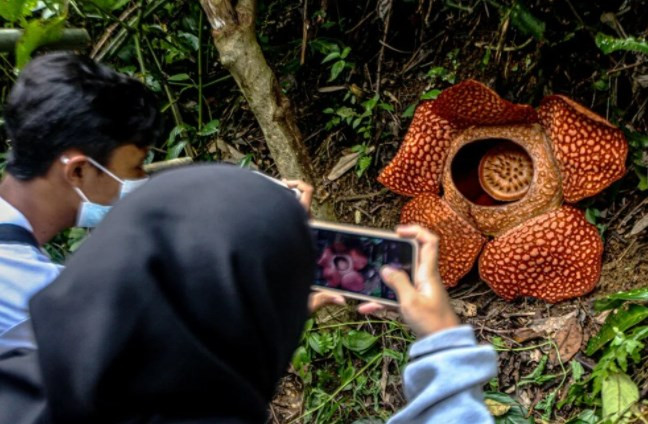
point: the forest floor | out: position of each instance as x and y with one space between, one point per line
522 69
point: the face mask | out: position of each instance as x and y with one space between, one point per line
90 213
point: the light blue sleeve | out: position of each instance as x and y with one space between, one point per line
443 382
19 336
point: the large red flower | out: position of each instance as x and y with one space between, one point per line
479 166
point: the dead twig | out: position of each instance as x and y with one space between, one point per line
111 29
384 11
393 48
361 196
305 27
519 314
484 45
363 20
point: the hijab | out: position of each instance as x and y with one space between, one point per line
184 306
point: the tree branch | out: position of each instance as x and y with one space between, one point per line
235 39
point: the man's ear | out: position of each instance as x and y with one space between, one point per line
75 168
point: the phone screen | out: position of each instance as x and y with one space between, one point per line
352 262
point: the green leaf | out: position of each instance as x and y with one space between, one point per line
190 40
615 300
363 163
609 44
370 104
516 415
13 10
179 77
643 180
547 405
345 112
331 56
577 370
431 95
398 356
175 151
210 128
76 237
437 71
498 343
619 392
622 320
315 343
336 69
536 374
152 83
574 394
110 5
487 57
523 19
37 33
175 132
347 373
591 215
358 341
601 85
246 161
345 52
359 148
587 416
301 361
409 111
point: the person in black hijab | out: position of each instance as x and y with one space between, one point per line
185 306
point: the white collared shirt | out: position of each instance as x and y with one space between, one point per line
24 270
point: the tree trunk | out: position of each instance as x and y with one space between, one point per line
235 39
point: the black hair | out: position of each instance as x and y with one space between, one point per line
64 100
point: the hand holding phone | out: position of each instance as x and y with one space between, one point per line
425 305
349 259
303 191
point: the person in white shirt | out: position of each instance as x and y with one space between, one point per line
79 133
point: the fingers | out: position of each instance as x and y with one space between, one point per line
428 266
398 281
424 236
306 190
428 241
320 299
299 185
371 308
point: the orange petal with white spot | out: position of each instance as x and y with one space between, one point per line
591 152
554 257
418 165
459 242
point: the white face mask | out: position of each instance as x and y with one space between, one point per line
90 213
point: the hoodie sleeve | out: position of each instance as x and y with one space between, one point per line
443 382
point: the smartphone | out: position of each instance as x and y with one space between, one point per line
349 259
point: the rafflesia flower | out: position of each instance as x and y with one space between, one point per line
340 268
480 167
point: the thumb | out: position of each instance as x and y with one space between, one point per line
398 281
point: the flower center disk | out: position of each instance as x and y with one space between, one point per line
506 172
